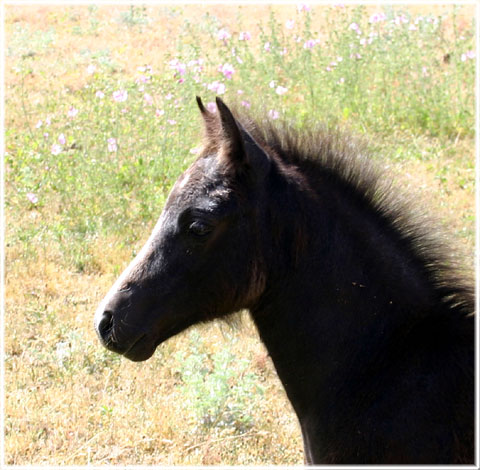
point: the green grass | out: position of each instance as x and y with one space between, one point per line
88 174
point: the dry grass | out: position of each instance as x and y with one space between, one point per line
69 402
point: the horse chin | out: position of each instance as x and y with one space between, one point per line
145 346
139 354
141 350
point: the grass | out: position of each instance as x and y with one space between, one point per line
101 120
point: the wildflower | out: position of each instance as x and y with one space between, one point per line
172 122
48 121
244 36
100 94
223 35
72 112
246 104
468 55
45 135
283 51
354 27
91 69
400 19
310 44
267 46
217 87
342 80
377 17
240 92
38 124
212 107
280 90
239 60
148 99
159 112
112 144
61 139
142 79
120 96
412 28
227 70
179 67
169 96
272 84
32 198
328 69
290 24
56 149
303 7
273 114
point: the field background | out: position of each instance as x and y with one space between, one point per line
101 120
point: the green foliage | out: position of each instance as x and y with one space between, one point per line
106 154
217 388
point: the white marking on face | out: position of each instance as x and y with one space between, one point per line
132 269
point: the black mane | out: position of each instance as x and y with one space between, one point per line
321 153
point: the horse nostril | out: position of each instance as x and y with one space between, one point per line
105 325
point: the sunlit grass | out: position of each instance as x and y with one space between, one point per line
101 120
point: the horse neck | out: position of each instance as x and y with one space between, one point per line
345 294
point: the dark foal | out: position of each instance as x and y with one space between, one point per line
369 327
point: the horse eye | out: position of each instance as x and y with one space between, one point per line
200 228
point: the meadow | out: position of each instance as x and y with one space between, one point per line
100 120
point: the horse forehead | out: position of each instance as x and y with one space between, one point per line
202 178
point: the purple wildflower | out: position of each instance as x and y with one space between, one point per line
303 7
120 96
377 17
244 36
227 70
72 112
310 43
112 144
223 35
56 149
212 107
32 198
273 114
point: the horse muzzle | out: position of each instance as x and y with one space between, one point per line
118 328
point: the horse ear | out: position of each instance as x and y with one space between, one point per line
232 141
239 148
209 119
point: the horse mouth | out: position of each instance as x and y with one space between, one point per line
144 347
140 350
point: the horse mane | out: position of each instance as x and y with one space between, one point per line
318 152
